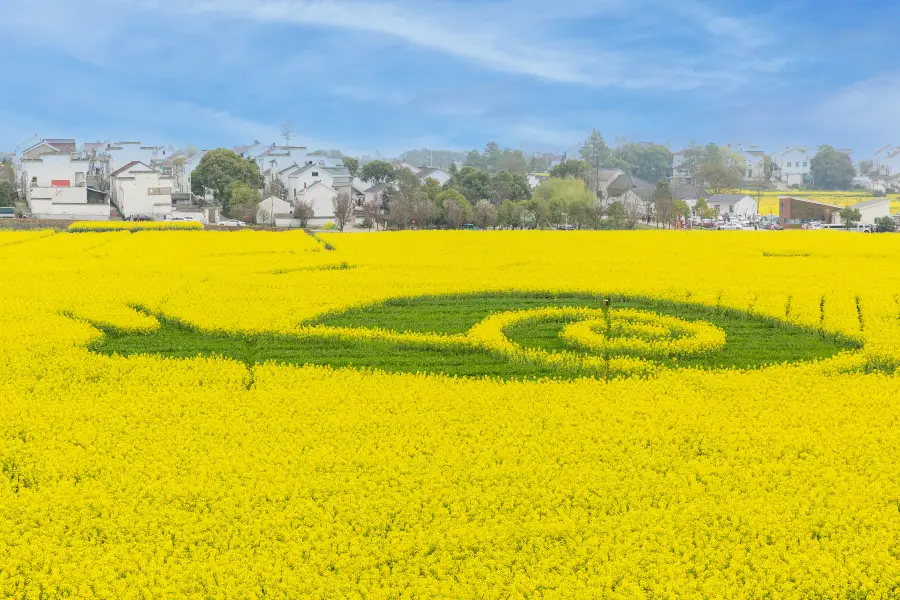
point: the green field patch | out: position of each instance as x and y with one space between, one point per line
752 342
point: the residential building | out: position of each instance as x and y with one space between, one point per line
123 153
139 189
300 177
680 172
733 206
187 170
321 197
794 166
870 210
55 187
50 146
755 159
276 212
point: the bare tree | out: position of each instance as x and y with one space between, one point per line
98 163
343 209
303 212
277 188
371 210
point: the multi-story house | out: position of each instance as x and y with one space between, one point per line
794 165
55 187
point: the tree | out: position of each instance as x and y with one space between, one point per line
575 169
509 186
850 217
663 202
718 177
472 183
377 171
409 204
509 214
485 214
352 166
554 199
371 211
8 194
885 225
594 151
617 216
681 209
218 170
651 163
287 131
476 160
303 212
831 170
432 190
243 200
190 150
343 209
702 210
277 188
457 210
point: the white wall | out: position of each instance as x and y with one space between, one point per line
296 183
874 211
66 204
134 198
321 199
122 154
794 164
743 208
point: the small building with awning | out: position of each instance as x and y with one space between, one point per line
794 212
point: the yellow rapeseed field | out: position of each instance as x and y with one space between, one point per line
153 476
768 200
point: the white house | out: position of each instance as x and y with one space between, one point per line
138 189
187 169
321 197
275 211
733 206
436 173
50 146
873 209
794 165
535 179
303 176
123 153
755 160
55 187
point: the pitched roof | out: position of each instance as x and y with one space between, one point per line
319 183
873 202
808 201
128 167
684 191
726 198
429 171
377 188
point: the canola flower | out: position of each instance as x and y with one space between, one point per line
84 226
149 477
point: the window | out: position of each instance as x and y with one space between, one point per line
804 164
789 164
731 208
717 207
315 174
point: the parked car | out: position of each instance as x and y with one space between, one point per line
774 227
7 212
183 219
233 223
565 227
469 227
138 218
730 227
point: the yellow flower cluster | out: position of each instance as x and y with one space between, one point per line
82 226
200 477
641 332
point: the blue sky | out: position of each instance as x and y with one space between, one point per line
391 75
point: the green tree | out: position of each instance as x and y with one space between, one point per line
218 170
352 166
457 210
8 194
475 159
850 217
576 169
432 190
831 170
617 215
377 171
680 208
651 163
702 209
509 214
509 186
885 225
243 200
559 196
277 188
717 177
594 151
472 183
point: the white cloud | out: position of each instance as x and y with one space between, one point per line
866 112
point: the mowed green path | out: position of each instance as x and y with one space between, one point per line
752 342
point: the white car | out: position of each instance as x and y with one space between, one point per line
183 219
730 227
233 223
